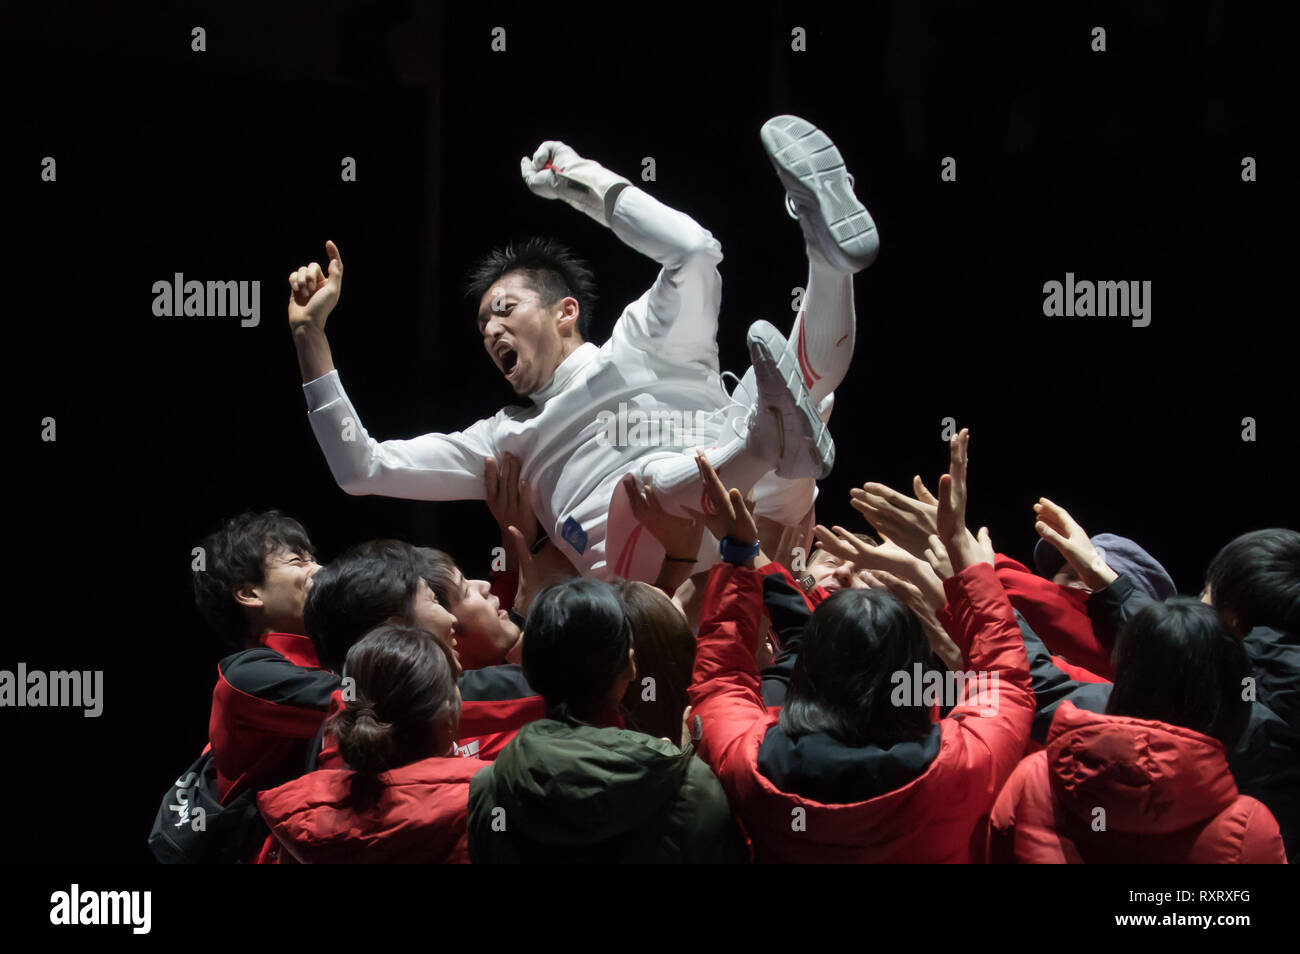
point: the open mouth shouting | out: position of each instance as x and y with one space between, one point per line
507 360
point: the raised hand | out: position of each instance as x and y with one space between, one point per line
888 557
541 172
731 515
679 536
941 644
529 573
508 497
1057 527
796 536
962 547
313 294
901 519
937 554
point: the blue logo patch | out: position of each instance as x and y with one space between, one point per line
574 535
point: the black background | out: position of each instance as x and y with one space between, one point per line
224 165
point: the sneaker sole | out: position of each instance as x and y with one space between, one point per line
801 423
813 173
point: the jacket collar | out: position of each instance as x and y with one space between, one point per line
568 369
299 650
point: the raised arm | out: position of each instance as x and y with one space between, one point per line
431 467
677 317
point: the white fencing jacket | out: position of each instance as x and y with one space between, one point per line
661 358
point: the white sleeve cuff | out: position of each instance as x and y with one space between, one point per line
323 391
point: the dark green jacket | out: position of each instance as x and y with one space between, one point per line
566 791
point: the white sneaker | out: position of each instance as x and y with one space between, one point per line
819 193
784 421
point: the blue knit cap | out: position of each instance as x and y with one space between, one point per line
1122 555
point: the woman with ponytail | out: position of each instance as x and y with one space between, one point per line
402 797
577 786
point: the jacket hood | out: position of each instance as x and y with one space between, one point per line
1150 777
416 815
575 784
820 767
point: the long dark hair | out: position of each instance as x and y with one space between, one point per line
576 645
665 652
404 679
843 679
1176 662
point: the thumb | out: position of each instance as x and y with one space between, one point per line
984 538
922 492
522 555
336 264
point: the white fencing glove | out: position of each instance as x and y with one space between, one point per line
557 172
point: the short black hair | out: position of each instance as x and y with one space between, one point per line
550 268
235 555
843 680
575 645
1175 662
1255 579
356 593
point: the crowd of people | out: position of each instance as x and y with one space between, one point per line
677 663
907 695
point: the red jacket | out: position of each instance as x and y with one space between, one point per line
267 707
938 815
417 817
496 702
1059 615
1163 793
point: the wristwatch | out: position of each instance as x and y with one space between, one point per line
737 553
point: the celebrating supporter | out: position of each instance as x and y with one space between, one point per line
852 770
1264 758
271 695
1148 779
403 796
577 785
387 582
372 584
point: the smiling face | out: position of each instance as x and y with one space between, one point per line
282 594
484 631
831 573
526 339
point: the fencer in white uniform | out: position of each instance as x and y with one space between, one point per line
650 396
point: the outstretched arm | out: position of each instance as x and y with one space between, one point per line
431 467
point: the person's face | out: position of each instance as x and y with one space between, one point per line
484 632
431 616
831 573
524 339
283 592
1066 576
